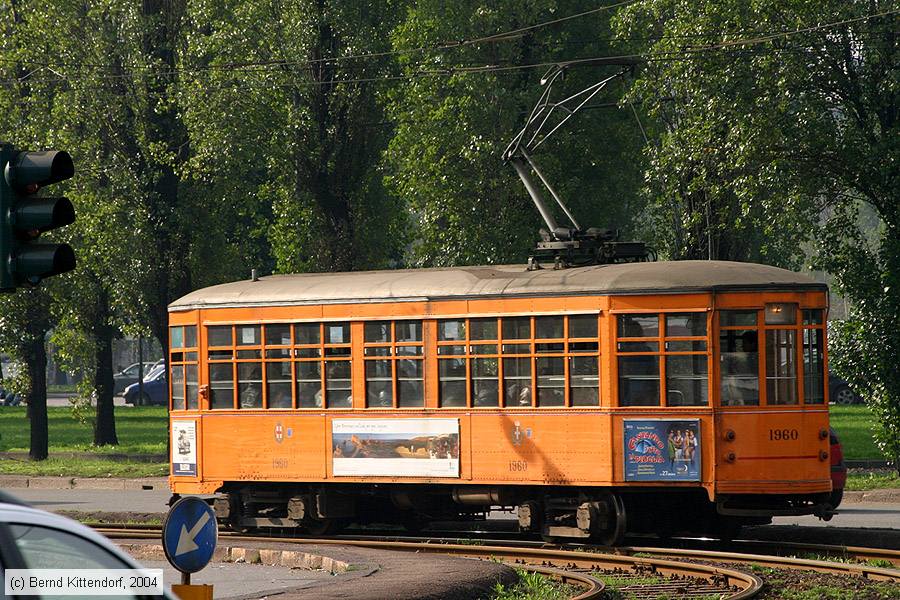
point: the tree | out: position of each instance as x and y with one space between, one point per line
453 123
796 107
282 89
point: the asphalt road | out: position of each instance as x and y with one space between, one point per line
862 514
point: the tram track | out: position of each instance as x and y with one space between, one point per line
643 571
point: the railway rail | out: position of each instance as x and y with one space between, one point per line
650 572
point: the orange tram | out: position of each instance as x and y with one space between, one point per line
642 397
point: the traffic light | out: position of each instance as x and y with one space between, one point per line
24 216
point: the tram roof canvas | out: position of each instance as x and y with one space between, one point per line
495 281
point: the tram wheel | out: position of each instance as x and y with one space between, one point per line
614 534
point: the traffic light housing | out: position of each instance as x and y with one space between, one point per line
24 216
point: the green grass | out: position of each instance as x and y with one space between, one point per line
872 480
534 586
141 430
854 425
76 467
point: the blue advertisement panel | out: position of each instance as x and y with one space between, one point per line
657 450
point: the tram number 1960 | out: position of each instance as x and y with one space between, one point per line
783 435
517 466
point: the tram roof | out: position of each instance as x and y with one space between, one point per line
495 281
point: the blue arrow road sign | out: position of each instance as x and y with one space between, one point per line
190 534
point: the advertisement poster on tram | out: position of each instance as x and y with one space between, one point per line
184 448
395 447
657 450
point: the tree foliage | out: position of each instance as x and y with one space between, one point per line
771 110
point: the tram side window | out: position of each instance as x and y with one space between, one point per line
739 358
183 363
638 360
813 357
221 385
781 366
394 364
687 363
323 348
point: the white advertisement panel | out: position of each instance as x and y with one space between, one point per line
184 448
395 447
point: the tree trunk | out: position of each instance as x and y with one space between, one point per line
105 422
37 399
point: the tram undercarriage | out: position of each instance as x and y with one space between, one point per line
599 515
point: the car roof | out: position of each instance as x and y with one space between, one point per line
495 281
25 515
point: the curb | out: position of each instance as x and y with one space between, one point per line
882 495
238 554
83 483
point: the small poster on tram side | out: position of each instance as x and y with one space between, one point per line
395 447
662 450
184 448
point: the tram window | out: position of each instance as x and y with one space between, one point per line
378 331
687 380
686 346
410 388
812 317
177 336
548 327
451 330
278 384
516 328
410 350
686 324
634 326
248 335
638 380
781 313
249 385
483 329
551 381
338 386
408 331
219 335
485 390
178 387
584 381
638 346
781 366
484 348
454 349
221 385
191 386
190 336
379 384
737 318
309 384
517 382
337 333
249 354
306 333
813 366
583 326
452 375
278 335
739 366
516 348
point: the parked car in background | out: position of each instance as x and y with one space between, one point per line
838 470
840 392
155 392
129 375
35 539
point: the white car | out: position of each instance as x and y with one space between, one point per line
35 539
